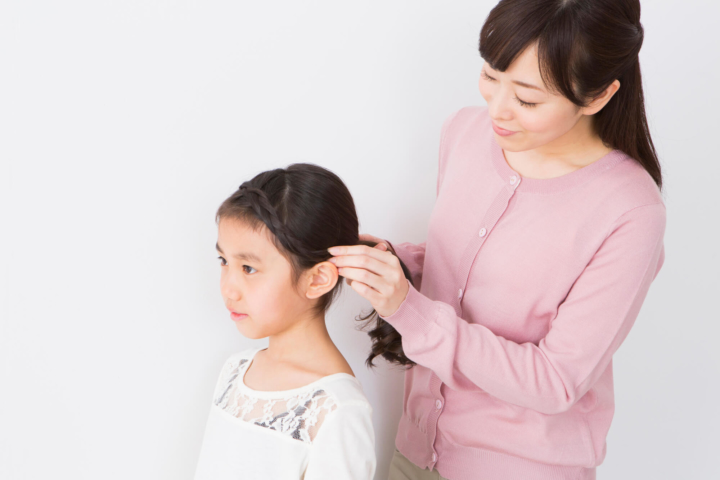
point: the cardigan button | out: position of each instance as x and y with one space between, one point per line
482 232
460 293
438 404
513 180
434 457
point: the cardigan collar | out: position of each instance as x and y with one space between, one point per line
556 184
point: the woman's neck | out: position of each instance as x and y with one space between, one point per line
578 148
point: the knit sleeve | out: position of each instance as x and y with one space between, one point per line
344 446
589 327
413 256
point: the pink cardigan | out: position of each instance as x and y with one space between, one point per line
525 289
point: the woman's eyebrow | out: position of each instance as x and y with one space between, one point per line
527 85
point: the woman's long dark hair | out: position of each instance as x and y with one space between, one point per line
308 209
583 46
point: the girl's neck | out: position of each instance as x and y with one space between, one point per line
303 343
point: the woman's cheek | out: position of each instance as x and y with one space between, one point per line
536 123
485 91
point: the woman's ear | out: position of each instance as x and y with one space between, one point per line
601 100
321 279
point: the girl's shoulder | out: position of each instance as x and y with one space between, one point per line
243 356
341 388
298 413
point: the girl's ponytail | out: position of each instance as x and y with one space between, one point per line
386 341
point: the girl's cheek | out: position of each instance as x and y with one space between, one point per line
267 299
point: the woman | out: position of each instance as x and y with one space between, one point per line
545 237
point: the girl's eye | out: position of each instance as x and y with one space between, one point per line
487 77
223 262
525 104
245 267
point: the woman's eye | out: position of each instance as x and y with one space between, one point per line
525 104
487 77
248 267
223 262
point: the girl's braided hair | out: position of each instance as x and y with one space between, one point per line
308 209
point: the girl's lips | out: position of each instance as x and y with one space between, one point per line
501 131
237 316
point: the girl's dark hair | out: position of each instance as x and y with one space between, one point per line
308 209
583 46
386 341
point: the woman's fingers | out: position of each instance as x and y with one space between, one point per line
378 267
363 276
374 273
371 238
366 292
358 250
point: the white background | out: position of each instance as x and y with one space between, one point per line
124 124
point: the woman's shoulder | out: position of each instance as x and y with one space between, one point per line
466 117
468 129
628 186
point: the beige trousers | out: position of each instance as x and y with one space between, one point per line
403 469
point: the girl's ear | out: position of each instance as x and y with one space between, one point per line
322 278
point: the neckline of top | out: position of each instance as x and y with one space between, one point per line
284 393
555 184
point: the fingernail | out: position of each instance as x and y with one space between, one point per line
334 250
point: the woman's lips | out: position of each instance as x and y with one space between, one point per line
501 131
237 316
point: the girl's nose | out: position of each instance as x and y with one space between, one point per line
230 290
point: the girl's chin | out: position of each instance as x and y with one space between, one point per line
248 332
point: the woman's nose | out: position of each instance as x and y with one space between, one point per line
499 106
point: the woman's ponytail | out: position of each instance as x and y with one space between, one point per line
622 123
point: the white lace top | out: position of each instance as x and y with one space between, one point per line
320 431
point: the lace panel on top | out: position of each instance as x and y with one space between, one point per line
299 414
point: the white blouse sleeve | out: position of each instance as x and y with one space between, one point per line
344 448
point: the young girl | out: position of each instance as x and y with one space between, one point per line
293 410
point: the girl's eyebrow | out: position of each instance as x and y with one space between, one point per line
241 256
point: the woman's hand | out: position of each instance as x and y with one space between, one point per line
374 273
380 242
